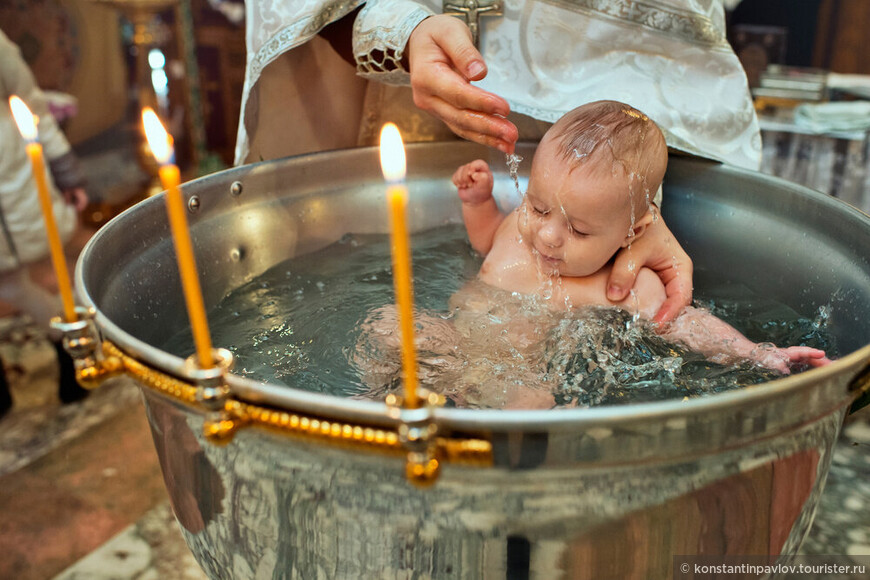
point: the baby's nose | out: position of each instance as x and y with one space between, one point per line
550 232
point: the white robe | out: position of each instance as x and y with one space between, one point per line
668 58
19 201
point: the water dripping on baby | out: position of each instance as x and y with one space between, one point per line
513 162
635 303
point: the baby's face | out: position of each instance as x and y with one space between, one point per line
574 219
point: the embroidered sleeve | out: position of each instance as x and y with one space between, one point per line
380 34
274 27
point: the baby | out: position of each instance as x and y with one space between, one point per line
588 196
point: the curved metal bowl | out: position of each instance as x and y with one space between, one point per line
734 473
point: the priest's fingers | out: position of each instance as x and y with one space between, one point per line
677 300
483 139
675 269
438 79
452 38
489 130
466 113
658 250
440 69
443 61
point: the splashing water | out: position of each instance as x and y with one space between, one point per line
546 280
513 162
635 301
322 322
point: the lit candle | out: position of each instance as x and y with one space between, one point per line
393 168
26 122
160 143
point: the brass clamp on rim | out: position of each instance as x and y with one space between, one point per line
81 340
418 432
213 393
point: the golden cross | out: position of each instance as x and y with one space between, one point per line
471 11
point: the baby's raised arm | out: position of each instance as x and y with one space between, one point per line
479 210
700 330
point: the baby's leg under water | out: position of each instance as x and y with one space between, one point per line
377 354
474 360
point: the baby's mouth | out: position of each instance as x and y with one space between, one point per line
544 257
548 259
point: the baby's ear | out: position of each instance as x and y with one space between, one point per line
639 228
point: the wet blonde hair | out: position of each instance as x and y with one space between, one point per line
630 139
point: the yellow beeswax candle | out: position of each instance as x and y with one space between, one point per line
27 126
161 146
403 283
393 167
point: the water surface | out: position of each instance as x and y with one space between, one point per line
321 322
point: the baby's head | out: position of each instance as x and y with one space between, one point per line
593 177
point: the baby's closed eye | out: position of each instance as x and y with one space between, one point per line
540 210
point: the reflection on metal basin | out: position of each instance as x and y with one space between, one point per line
608 492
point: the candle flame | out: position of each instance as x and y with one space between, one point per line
25 120
392 154
159 140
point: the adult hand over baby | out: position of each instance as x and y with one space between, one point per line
443 62
658 250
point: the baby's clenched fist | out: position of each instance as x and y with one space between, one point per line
474 181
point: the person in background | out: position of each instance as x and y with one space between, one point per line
537 60
27 281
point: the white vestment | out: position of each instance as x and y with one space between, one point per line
667 58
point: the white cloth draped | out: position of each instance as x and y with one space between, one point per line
274 27
668 58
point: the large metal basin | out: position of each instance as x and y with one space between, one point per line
608 492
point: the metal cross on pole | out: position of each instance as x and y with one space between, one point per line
471 11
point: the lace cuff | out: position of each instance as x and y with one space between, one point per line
380 34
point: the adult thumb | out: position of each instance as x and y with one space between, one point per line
454 38
622 277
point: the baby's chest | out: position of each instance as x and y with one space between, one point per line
510 267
